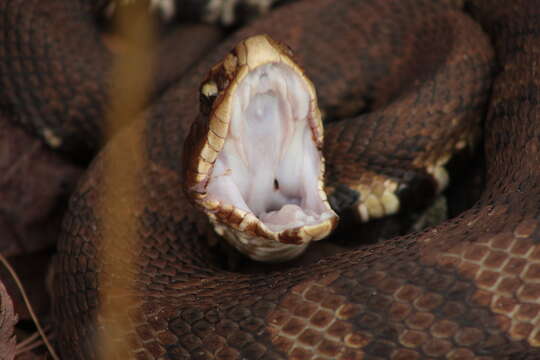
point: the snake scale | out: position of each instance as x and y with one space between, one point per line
467 288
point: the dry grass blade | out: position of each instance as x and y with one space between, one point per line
130 84
33 341
28 305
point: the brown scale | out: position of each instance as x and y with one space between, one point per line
464 289
56 83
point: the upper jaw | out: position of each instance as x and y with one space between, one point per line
259 77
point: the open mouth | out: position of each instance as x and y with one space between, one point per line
269 164
264 186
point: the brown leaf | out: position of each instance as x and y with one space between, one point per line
8 319
34 186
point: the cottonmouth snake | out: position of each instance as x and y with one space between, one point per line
464 289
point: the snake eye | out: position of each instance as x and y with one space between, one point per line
209 89
209 92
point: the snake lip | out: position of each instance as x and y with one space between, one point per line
253 159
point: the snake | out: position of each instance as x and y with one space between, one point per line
414 81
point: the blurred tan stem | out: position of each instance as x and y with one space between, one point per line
122 163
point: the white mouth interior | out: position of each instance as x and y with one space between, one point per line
269 164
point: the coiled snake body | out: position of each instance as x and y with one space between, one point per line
468 288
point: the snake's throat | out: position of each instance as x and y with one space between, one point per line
259 171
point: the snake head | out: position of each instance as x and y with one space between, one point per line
253 159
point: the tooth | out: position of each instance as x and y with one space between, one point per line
241 151
282 87
246 96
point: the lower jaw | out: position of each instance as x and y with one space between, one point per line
259 248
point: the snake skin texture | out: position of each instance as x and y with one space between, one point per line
63 100
466 289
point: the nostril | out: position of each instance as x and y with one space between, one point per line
276 184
